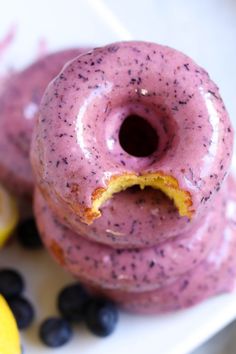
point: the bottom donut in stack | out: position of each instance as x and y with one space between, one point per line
171 275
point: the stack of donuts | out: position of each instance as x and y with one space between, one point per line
130 155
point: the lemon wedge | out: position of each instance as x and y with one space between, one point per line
9 215
9 335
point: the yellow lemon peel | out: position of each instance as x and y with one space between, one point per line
9 335
9 215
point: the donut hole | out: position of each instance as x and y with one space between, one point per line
137 136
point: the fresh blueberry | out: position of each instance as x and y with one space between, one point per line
28 234
72 301
11 282
55 332
22 310
101 317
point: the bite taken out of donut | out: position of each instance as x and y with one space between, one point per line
130 113
130 269
175 274
19 103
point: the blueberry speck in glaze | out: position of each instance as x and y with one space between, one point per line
28 234
55 332
72 301
101 317
22 310
11 283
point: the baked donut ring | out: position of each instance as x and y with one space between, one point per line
133 218
80 153
129 269
214 276
164 278
19 102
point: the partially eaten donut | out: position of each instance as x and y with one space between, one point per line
167 184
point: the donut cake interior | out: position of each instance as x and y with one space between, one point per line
167 184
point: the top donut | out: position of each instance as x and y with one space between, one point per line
130 113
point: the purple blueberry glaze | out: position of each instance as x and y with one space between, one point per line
214 276
19 102
139 253
121 227
130 269
76 146
93 263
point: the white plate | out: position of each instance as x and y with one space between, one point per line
206 30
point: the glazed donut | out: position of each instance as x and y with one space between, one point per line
82 152
146 284
19 103
129 269
121 227
214 276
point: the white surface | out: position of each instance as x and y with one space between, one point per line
206 30
222 343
